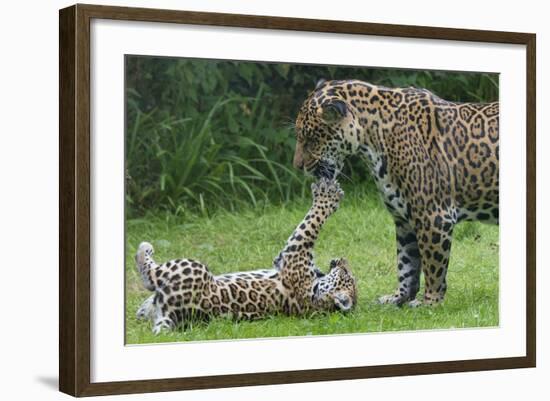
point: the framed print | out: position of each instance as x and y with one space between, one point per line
239 193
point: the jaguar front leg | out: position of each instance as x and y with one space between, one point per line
327 195
408 265
295 262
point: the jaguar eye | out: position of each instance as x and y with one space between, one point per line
309 145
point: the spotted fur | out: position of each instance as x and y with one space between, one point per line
185 289
435 163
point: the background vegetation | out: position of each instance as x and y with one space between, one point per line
209 148
204 135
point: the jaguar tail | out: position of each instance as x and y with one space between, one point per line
146 265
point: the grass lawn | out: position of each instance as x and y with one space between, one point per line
361 230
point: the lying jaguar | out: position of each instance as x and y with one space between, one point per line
435 162
185 289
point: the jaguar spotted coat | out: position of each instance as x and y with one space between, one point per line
185 289
435 162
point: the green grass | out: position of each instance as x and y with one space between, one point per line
361 230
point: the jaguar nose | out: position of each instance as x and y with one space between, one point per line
325 170
343 303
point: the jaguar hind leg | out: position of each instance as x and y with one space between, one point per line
161 314
435 238
408 265
162 321
145 311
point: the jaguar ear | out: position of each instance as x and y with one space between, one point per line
344 264
334 110
320 83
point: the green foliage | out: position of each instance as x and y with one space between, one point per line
175 162
250 239
207 134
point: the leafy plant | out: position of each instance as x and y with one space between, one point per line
208 134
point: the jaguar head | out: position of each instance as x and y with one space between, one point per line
336 290
326 132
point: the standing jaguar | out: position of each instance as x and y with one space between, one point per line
435 163
185 289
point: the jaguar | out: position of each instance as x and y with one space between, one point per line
435 164
185 289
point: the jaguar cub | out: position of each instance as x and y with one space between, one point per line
185 289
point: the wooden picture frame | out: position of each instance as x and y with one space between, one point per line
74 203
